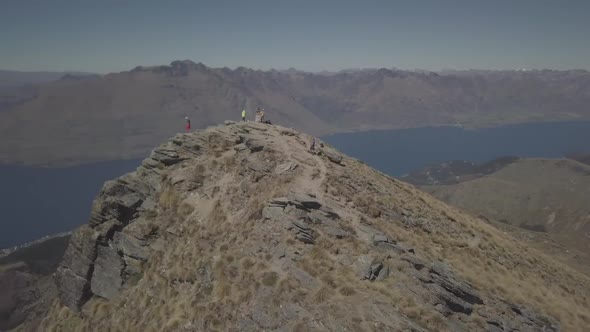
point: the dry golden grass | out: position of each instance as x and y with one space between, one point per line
496 263
185 210
198 175
168 197
229 162
323 294
286 286
367 205
347 290
316 173
269 279
150 214
300 327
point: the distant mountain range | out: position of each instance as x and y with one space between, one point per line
14 78
18 87
122 115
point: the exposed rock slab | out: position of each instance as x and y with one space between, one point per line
306 200
332 155
106 278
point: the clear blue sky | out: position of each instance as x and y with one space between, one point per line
114 35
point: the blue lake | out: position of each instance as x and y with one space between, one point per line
397 152
36 201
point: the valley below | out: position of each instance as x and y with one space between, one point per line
538 200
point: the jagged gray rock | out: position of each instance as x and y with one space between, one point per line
382 241
329 212
416 262
255 145
335 231
258 164
373 271
279 201
241 147
305 237
449 300
117 205
285 167
73 274
129 246
74 289
303 232
383 274
167 156
273 212
120 199
332 155
306 200
106 279
441 275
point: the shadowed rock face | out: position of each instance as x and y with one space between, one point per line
100 256
241 227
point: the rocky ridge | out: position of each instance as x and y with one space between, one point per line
240 227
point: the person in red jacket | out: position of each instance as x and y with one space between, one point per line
188 124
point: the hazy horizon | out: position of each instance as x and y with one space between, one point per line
65 71
113 36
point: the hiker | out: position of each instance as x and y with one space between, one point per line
259 115
188 124
312 146
244 115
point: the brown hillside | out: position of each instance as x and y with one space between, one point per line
242 228
543 195
581 157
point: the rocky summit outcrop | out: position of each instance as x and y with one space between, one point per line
241 227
